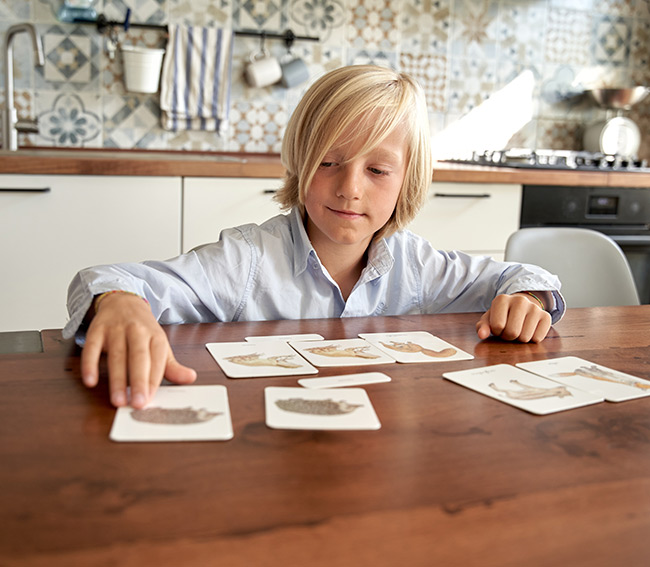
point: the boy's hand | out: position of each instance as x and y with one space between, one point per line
516 317
137 351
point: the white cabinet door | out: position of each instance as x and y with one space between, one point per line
472 217
212 204
53 226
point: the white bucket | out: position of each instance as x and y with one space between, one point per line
142 68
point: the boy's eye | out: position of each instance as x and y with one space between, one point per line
327 164
377 171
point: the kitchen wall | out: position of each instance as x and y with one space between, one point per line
462 51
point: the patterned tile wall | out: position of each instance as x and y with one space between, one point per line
462 52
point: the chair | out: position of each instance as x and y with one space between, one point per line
592 267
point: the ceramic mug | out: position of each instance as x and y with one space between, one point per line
294 73
262 70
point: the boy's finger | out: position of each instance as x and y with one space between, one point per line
139 369
483 326
90 356
117 371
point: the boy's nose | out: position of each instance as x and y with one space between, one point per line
351 183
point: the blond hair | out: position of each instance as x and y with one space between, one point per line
361 98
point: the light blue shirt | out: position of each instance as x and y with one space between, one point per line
271 271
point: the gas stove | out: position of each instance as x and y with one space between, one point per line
554 159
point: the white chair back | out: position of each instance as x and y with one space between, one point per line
592 268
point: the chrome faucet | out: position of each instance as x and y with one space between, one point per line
10 123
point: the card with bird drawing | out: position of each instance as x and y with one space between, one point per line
415 346
253 359
341 352
522 389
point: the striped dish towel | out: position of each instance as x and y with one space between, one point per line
195 81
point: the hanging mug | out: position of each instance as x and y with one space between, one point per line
294 72
263 70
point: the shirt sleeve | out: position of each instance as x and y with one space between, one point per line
458 282
205 285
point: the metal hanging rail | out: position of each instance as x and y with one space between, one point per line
103 24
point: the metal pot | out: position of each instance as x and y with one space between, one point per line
623 99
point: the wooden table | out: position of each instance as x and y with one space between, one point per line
451 478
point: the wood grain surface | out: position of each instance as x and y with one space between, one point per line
451 478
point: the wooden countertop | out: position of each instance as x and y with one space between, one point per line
211 164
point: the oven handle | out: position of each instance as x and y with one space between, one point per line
630 239
463 195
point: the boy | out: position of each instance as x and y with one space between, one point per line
358 160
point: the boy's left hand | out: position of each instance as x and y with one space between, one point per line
516 317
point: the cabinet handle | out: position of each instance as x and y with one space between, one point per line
25 189
269 191
463 195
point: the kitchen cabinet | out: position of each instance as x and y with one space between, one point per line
212 204
473 217
51 226
476 218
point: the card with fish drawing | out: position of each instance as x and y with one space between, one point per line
321 409
253 359
341 352
177 413
416 346
522 389
612 385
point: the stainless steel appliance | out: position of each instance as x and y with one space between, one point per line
618 134
621 213
554 159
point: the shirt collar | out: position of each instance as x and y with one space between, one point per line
380 258
302 248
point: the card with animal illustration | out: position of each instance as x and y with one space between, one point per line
416 346
285 338
522 389
613 385
344 380
342 352
322 409
252 359
177 413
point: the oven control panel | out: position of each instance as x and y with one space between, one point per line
596 207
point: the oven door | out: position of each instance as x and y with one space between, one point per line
636 248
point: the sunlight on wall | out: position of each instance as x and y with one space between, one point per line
490 125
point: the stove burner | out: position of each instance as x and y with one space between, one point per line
554 159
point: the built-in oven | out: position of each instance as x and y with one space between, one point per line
621 213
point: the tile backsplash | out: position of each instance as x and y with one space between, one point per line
464 52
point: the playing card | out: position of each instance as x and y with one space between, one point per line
285 338
612 385
344 380
522 389
342 352
253 359
177 413
417 346
299 408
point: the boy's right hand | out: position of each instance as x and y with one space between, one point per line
137 349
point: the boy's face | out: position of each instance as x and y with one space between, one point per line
349 201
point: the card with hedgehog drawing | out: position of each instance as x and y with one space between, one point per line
177 413
319 409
